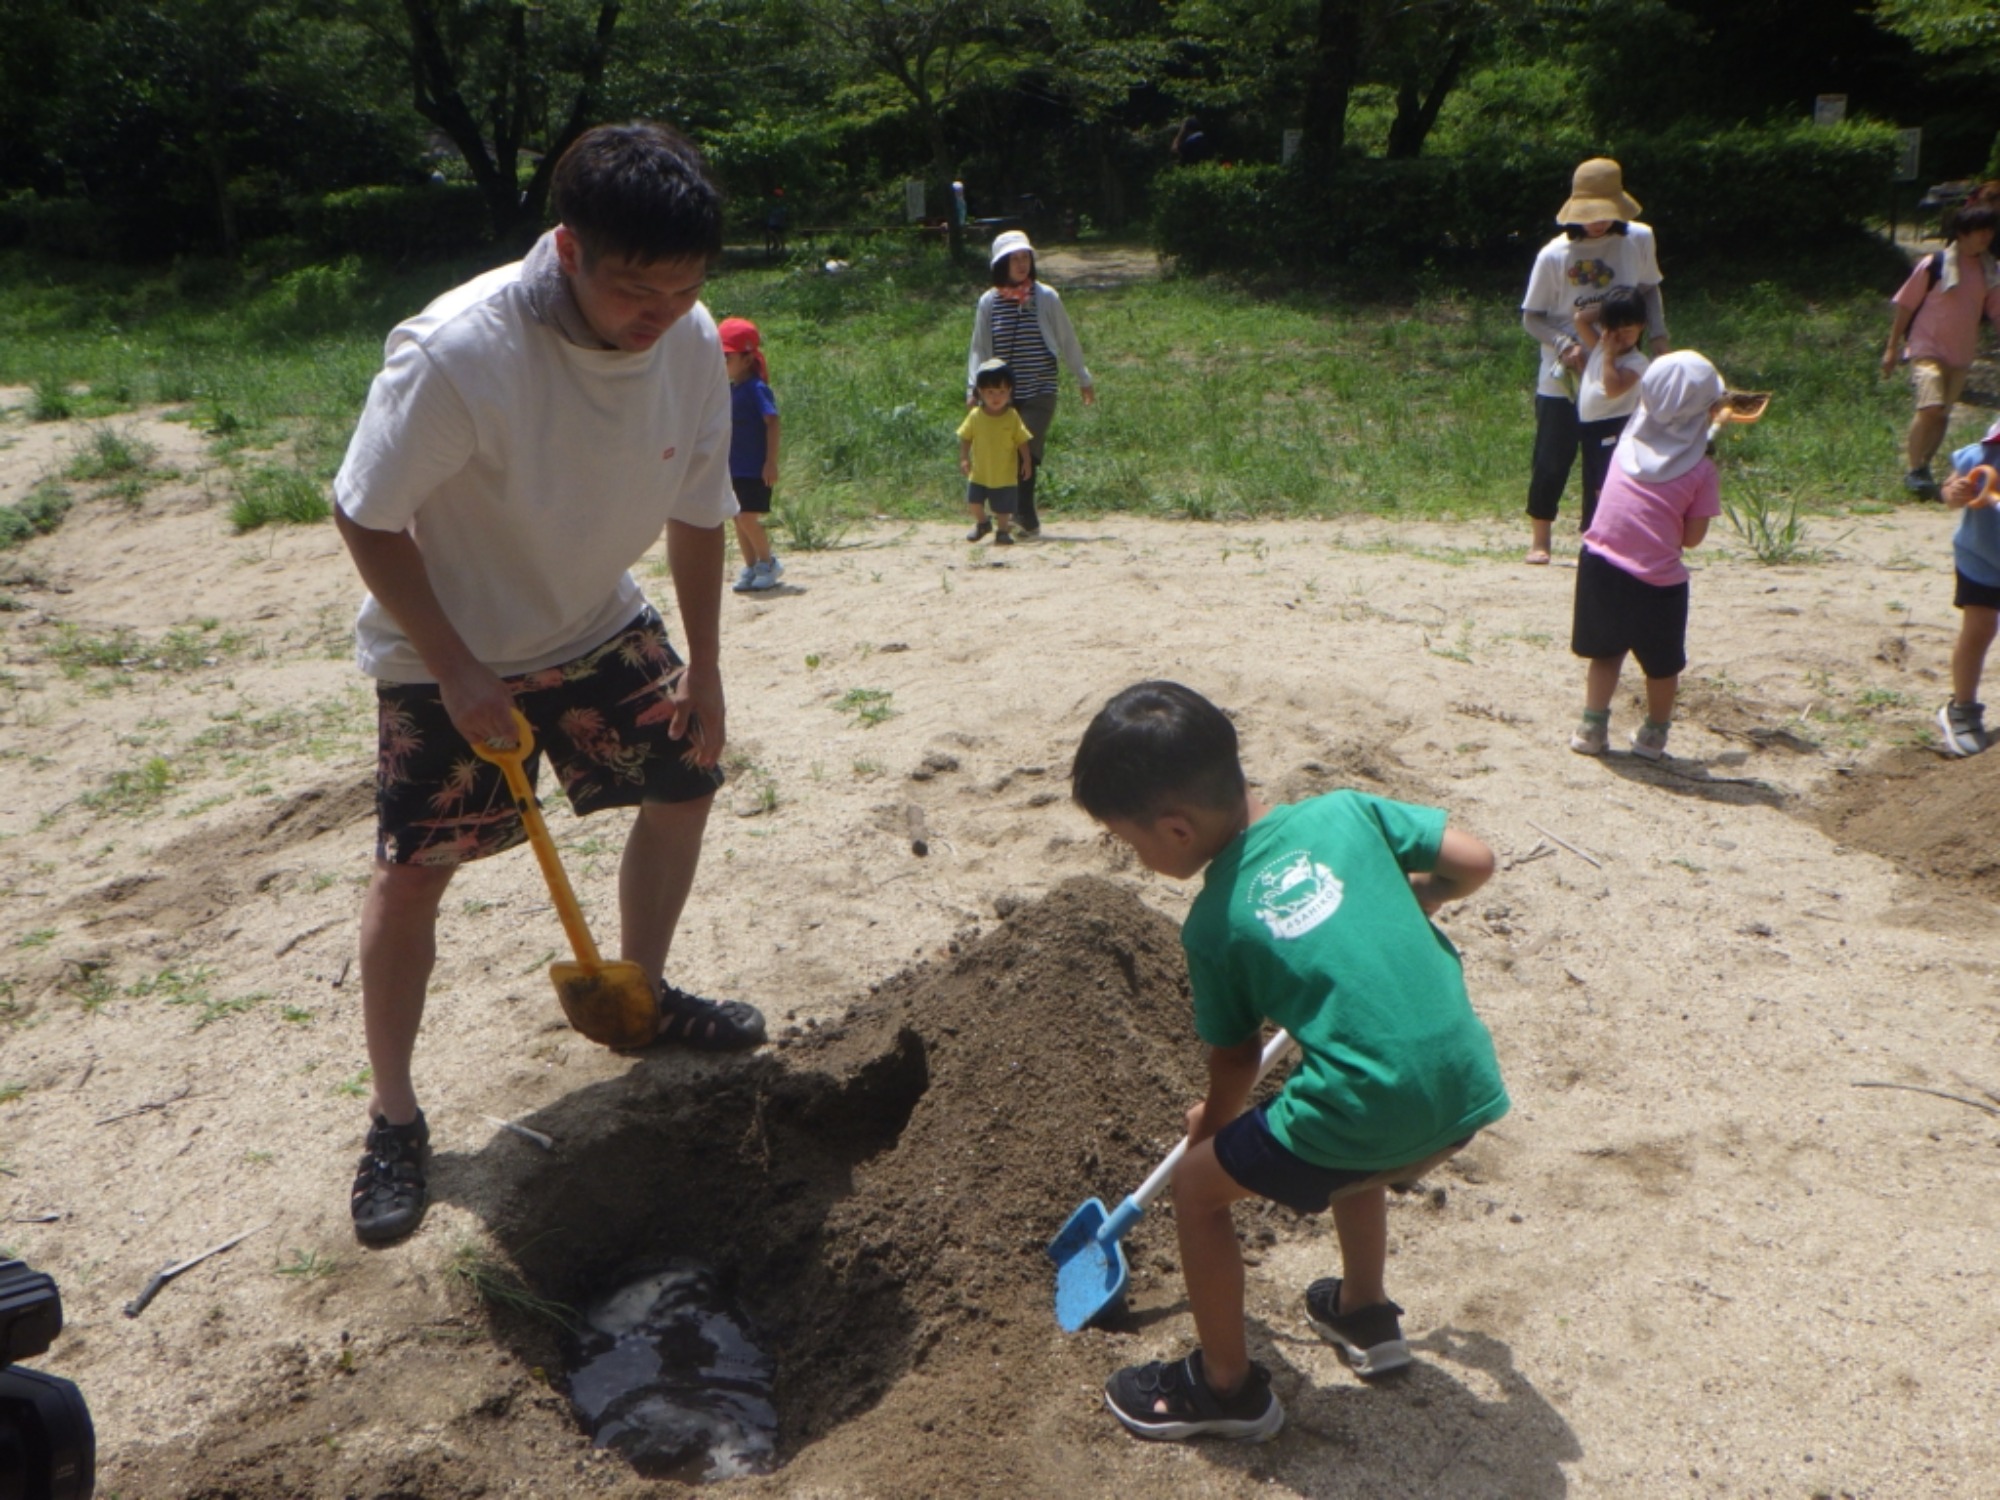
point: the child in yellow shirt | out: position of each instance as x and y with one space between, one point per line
993 453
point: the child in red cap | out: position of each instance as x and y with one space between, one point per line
753 451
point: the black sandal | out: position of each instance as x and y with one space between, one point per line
390 1194
707 1025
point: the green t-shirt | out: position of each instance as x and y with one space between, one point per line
1307 920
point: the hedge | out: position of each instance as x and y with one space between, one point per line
427 222
1739 188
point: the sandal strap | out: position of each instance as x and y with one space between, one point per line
710 1025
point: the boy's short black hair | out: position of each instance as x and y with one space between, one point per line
640 191
1155 747
1973 217
994 372
1621 307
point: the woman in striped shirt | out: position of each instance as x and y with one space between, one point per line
1023 322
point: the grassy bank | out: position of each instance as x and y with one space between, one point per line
1216 400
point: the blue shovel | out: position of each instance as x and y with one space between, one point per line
1090 1263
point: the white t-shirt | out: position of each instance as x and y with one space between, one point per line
532 472
1567 269
1592 404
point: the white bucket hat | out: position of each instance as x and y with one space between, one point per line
1669 432
1006 244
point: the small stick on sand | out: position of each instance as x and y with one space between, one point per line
546 1142
920 839
1917 1088
1589 859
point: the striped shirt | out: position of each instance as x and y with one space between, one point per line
1017 338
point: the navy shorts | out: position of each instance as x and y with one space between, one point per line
1971 591
1617 613
1000 499
752 494
601 719
1255 1159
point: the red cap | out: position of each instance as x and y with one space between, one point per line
739 335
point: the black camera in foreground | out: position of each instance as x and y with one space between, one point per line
48 1449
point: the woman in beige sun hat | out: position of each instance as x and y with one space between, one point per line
1601 245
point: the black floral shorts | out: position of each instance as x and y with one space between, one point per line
601 720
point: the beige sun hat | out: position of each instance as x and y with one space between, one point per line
1597 191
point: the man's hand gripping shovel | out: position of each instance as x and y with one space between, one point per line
611 1002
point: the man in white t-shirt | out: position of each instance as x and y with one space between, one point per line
1601 246
529 436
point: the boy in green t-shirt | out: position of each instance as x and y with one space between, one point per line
1315 917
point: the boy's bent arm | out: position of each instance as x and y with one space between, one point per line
392 566
694 559
1232 1073
1464 864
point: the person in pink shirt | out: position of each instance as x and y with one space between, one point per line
1936 329
1631 585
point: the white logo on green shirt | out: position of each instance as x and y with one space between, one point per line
1294 894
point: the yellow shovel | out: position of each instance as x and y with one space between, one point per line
610 1002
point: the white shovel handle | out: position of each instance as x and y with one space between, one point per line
1149 1189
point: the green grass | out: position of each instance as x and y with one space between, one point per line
1218 400
37 513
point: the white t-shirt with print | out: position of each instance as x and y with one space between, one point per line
532 472
1568 269
1592 404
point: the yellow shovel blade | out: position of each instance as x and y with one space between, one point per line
611 1003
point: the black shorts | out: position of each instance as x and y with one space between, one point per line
1617 613
1256 1159
752 494
602 719
1971 591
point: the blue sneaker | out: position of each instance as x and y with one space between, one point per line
766 576
746 580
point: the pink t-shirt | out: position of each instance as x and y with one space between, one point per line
1946 325
1639 522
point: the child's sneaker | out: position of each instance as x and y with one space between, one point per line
1173 1402
767 575
390 1195
1649 741
1370 1338
1005 539
1964 728
979 532
746 580
1591 736
1919 483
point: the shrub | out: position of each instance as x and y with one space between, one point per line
311 301
39 512
1774 186
267 496
401 223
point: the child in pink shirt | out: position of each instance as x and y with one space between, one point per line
1936 329
1631 585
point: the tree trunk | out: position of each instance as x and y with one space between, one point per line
1336 62
1416 114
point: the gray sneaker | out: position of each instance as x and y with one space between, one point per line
745 580
1919 483
767 576
1371 1338
1649 741
1964 728
1591 737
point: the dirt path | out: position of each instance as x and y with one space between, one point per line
1732 1241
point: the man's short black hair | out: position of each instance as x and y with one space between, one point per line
1972 218
1155 747
640 191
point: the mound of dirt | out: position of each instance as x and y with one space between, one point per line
1935 817
881 1192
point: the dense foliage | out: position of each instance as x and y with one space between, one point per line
274 130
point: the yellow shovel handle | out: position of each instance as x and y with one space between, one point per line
511 766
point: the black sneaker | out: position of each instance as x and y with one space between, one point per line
979 532
390 1195
1919 483
1005 539
708 1025
1172 1402
1371 1338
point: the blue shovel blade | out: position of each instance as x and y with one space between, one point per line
1090 1270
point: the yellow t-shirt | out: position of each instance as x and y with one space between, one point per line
996 441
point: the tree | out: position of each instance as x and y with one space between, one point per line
500 79
929 53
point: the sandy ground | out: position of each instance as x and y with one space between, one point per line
1734 1239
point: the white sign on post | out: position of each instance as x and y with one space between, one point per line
1290 149
913 199
1829 109
1909 146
